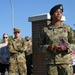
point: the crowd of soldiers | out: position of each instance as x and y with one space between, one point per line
20 55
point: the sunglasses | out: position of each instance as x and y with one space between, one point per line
5 37
16 32
27 40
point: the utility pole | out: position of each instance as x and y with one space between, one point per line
12 11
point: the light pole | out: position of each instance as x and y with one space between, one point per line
12 11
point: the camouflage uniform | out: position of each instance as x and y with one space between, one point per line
17 58
57 62
29 46
29 55
29 49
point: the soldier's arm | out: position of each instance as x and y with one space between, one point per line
11 47
71 36
71 40
23 47
42 44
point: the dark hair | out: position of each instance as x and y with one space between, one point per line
5 34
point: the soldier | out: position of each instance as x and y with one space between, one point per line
17 58
29 55
56 41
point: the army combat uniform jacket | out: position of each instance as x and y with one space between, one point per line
52 35
29 48
17 48
17 58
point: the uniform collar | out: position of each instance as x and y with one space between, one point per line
17 39
58 26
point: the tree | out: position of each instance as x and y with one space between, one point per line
10 38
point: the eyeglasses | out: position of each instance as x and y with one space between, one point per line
5 37
16 32
27 40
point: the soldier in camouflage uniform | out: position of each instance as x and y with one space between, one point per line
29 55
56 40
17 59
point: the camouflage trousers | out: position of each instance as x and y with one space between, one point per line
19 68
63 69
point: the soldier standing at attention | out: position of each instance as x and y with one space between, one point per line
55 40
29 55
17 58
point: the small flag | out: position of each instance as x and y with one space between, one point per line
63 45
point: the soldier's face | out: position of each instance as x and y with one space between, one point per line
17 34
57 15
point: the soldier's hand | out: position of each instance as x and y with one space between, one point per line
61 48
52 48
